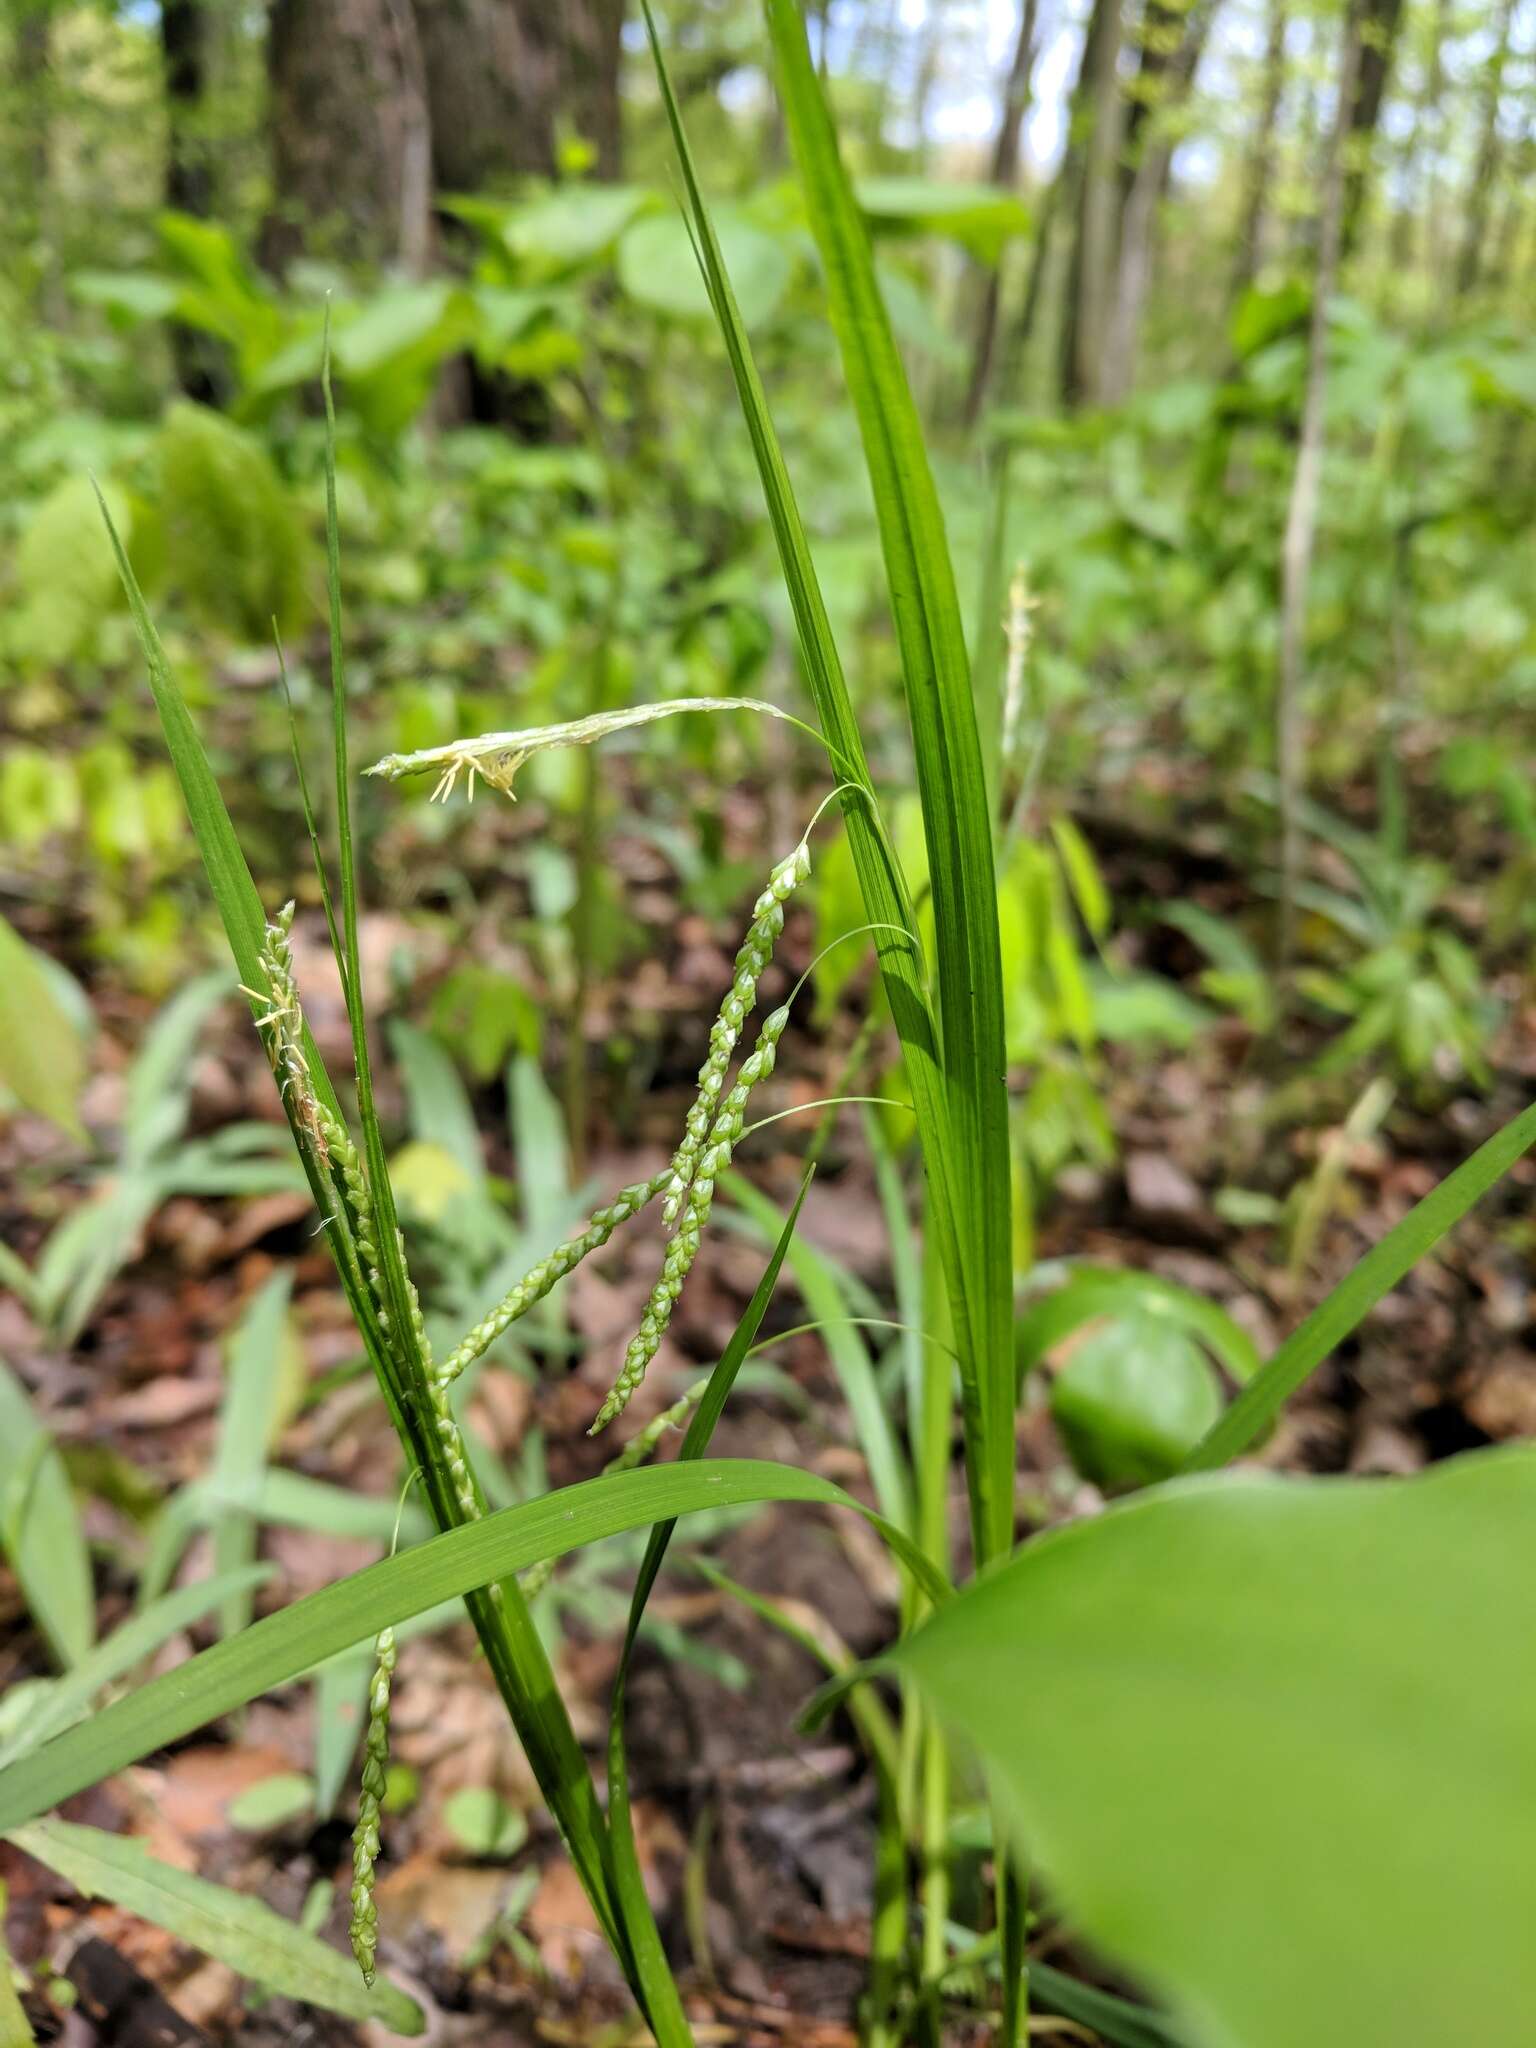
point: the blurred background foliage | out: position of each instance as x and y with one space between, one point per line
1099 231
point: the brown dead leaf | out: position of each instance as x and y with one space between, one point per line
188 1797
561 1922
456 1902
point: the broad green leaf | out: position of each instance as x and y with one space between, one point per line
1269 1741
659 270
133 294
979 217
951 783
1085 1292
271 1802
253 1940
233 540
482 1822
63 584
388 325
1353 1299
282 1646
573 224
1133 1400
42 1050
40 1529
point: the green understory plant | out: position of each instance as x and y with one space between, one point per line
155 1160
1262 1743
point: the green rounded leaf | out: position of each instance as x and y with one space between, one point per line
659 270
233 539
482 1822
1133 1400
42 1047
272 1802
1269 1740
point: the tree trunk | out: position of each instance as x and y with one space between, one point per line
1480 196
1166 79
1420 181
1379 23
185 38
1301 514
1097 110
507 78
1005 175
1261 161
351 135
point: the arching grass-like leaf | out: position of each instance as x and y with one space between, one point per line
283 1646
1353 1299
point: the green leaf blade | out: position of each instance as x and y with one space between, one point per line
951 783
284 1646
253 1940
1269 1740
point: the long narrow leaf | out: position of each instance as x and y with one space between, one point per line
1353 1299
951 783
40 1529
282 1646
241 1932
66 1699
880 879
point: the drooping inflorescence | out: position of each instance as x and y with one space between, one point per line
683 1245
753 956
364 1929
536 1283
281 1022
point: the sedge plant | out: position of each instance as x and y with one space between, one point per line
1124 1685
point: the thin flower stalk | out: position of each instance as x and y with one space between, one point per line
536 1283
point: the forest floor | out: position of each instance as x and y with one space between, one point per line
758 1838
